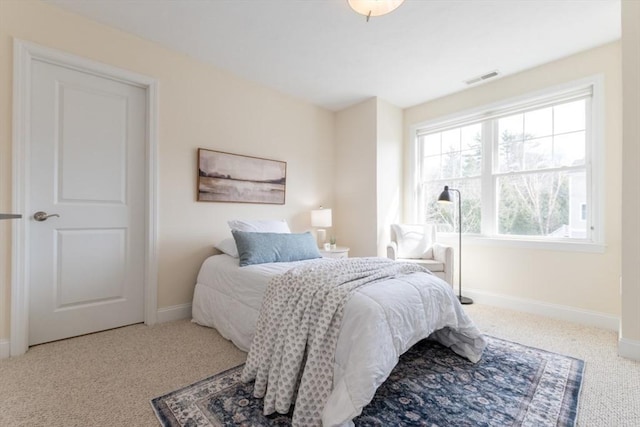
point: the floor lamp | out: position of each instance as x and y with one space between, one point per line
445 197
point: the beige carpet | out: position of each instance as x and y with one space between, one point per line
107 379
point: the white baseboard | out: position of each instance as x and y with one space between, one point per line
4 349
174 312
629 348
561 312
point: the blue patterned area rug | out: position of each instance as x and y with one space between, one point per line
513 385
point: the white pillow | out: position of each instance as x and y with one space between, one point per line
228 246
414 241
260 226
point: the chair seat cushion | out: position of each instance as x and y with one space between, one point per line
431 264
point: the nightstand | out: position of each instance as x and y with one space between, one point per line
339 252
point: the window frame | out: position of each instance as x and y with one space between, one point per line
594 165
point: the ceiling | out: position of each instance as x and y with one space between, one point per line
323 52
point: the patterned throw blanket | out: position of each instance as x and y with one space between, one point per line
295 340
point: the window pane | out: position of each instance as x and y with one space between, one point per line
471 137
451 141
569 117
511 156
471 162
471 150
510 128
471 206
431 168
537 153
569 149
578 212
445 215
433 212
542 204
538 123
430 144
450 167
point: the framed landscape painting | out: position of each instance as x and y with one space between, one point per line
226 177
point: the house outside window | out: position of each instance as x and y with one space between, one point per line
527 169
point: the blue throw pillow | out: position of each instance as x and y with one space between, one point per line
260 248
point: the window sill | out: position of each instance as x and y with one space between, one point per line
556 245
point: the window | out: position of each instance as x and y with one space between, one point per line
525 169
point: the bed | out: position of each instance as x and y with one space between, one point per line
380 321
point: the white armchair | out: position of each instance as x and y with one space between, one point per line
417 243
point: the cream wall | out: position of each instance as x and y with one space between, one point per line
355 207
389 170
200 106
368 175
630 319
581 281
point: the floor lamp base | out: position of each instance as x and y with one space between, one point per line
465 300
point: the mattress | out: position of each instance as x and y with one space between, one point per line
228 297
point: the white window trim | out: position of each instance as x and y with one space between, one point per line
595 150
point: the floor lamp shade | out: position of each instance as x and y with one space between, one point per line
321 219
445 197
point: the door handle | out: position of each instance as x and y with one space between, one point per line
42 216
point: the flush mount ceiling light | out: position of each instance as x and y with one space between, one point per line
371 8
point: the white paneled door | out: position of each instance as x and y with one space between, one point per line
86 263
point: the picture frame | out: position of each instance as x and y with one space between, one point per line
235 178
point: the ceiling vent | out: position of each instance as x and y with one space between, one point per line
482 77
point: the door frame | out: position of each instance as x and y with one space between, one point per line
24 53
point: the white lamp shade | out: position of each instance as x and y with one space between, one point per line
374 7
321 218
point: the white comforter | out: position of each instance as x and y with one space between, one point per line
380 322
